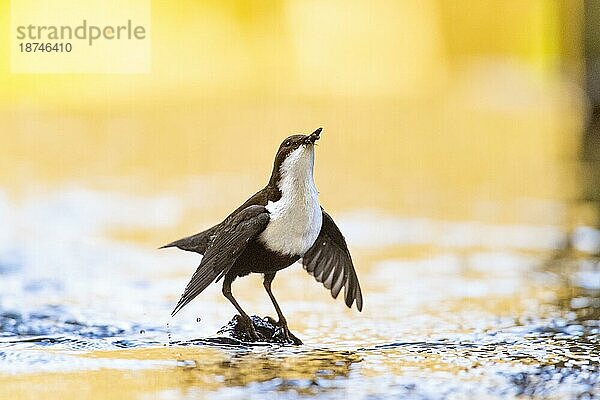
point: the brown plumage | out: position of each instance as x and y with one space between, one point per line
239 245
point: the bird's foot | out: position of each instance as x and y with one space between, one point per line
287 335
285 331
282 331
250 330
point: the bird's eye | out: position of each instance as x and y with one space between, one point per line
287 143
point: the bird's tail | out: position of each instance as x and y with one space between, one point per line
197 243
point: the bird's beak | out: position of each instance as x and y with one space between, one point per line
313 137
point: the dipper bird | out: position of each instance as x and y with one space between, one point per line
272 230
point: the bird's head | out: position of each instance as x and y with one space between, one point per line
295 156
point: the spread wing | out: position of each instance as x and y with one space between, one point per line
228 243
197 243
329 261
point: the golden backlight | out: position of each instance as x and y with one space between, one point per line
424 104
449 156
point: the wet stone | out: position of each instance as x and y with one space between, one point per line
266 328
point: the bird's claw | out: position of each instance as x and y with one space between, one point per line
250 330
285 331
289 336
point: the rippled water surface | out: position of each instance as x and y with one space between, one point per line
453 309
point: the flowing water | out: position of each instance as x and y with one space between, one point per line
453 309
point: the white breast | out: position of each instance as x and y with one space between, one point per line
296 218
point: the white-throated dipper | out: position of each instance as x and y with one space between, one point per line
272 230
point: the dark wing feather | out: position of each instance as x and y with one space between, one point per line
197 243
228 243
329 261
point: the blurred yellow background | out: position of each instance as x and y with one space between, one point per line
435 108
467 115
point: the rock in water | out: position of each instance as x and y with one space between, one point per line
266 328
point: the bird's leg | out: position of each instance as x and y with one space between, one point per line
227 293
282 321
